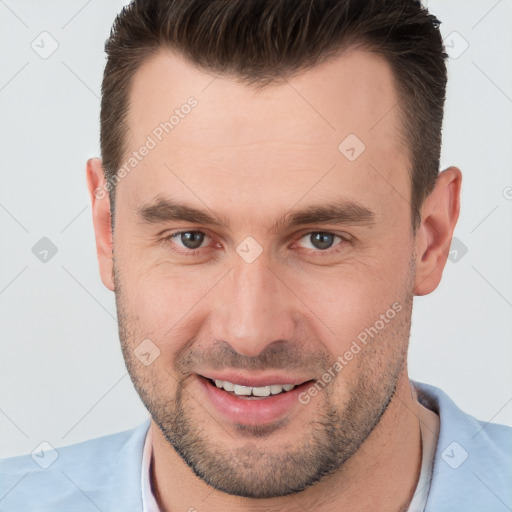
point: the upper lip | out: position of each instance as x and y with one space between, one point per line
254 381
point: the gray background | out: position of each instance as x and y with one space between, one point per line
62 377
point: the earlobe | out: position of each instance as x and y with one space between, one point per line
439 215
100 202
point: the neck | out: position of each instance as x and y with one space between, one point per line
381 475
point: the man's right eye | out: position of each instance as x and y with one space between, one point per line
190 241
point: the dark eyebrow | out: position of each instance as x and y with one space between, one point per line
165 210
343 212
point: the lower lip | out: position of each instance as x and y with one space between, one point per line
253 412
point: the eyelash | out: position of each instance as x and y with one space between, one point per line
194 252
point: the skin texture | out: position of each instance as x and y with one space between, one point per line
250 156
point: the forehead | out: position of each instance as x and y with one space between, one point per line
331 130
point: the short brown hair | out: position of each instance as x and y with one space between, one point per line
260 42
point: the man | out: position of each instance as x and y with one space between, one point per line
268 204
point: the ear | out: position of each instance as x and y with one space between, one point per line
98 192
439 216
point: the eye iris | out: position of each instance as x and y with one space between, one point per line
192 239
322 240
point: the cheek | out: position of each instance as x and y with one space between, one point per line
344 301
163 299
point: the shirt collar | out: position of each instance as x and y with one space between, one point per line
149 503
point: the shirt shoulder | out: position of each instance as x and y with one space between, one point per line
101 473
472 467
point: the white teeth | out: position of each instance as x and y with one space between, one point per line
242 390
276 389
228 386
262 391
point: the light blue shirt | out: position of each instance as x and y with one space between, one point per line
472 469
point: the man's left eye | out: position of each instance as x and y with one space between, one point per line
321 240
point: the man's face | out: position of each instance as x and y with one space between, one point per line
255 300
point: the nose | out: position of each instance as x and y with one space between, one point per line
253 308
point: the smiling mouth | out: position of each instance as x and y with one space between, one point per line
253 393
